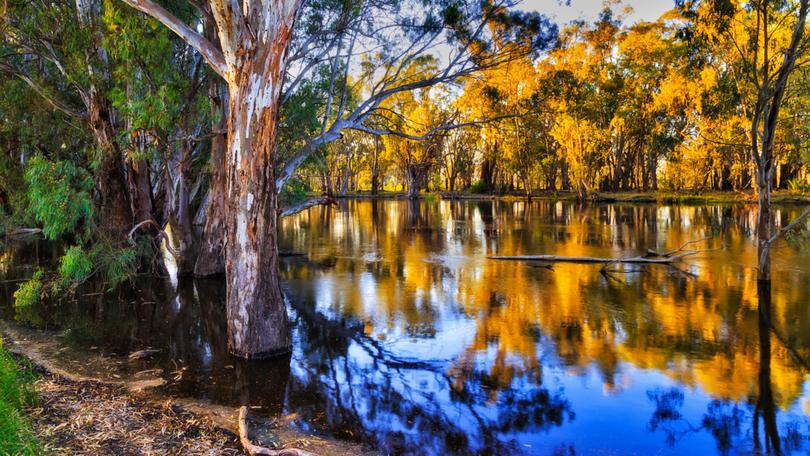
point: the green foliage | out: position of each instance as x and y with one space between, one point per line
294 192
799 185
16 394
58 195
75 265
30 292
479 187
116 265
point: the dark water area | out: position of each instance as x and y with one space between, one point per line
407 338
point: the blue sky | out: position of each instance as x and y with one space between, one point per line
589 9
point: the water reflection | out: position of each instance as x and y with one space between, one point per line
408 338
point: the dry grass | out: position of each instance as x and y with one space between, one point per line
92 418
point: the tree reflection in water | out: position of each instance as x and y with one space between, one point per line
729 421
406 405
408 338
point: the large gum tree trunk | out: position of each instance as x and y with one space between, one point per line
253 40
257 315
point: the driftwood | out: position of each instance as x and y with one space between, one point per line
255 450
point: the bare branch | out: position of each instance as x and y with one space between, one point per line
790 226
432 131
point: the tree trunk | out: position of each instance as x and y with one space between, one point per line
414 181
182 241
375 179
211 255
257 315
582 190
116 212
764 233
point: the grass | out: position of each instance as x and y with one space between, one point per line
16 394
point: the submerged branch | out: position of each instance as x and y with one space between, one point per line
255 450
789 226
292 210
654 253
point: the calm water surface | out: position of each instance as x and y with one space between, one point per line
409 339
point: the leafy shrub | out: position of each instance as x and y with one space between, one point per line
117 265
479 187
29 292
58 195
75 265
799 185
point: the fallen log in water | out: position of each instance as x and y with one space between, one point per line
595 260
652 257
255 450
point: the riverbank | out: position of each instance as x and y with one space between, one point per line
689 198
85 404
42 412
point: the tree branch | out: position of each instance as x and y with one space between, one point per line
311 202
215 58
432 131
55 103
789 226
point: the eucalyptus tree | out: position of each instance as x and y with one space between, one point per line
264 51
55 48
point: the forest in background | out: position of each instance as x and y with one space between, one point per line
126 124
661 105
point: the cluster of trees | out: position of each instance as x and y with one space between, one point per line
125 123
667 104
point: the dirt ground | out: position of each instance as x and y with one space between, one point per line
93 418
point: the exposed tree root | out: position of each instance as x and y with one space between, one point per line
255 450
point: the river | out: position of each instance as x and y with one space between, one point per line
407 338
